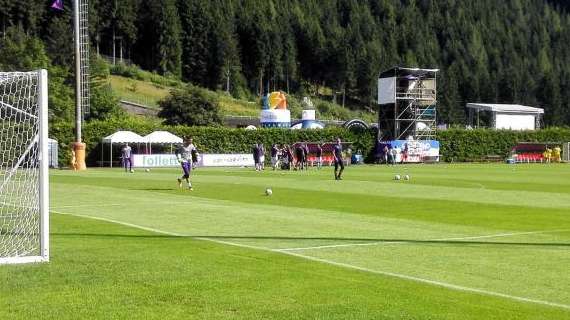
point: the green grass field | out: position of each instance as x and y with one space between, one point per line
465 241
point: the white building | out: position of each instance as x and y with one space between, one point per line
505 116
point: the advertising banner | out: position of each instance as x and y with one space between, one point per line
415 151
154 160
226 160
275 118
204 160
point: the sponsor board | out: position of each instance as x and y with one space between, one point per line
413 151
204 160
226 160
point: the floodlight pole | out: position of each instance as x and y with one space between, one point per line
78 113
81 80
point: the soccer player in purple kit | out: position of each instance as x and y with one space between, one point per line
319 155
337 154
184 156
274 156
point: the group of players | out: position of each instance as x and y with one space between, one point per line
187 156
296 157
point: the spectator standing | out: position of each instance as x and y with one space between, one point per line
126 158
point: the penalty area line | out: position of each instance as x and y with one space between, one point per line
136 226
334 263
86 206
432 282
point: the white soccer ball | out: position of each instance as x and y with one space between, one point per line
406 177
397 177
147 170
132 170
268 192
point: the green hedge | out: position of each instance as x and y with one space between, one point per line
473 145
207 139
456 144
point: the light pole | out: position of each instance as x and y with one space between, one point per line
81 41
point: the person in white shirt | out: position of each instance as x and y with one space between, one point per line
184 156
126 158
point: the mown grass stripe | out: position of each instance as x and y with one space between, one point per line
338 264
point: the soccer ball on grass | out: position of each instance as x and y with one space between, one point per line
397 177
268 192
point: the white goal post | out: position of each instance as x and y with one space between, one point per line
24 191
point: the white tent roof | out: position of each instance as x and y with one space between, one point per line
162 137
505 108
124 137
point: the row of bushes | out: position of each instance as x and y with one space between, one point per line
207 139
456 144
473 145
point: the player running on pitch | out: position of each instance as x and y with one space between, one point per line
338 162
184 156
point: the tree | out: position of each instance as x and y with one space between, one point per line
59 41
20 52
195 39
169 46
191 106
104 103
158 43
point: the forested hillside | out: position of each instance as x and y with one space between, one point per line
493 51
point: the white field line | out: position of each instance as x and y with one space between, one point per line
161 231
504 235
432 282
121 223
340 264
88 206
499 235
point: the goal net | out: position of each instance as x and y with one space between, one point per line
23 167
566 152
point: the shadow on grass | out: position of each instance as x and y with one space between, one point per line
350 240
154 189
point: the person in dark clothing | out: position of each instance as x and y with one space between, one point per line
385 152
300 155
306 158
338 161
255 152
319 156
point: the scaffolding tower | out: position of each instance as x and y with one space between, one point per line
407 99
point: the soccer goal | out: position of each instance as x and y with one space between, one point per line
566 152
24 207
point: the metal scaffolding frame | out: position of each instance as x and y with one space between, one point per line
409 105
